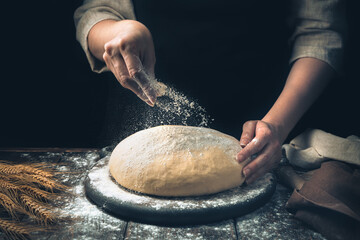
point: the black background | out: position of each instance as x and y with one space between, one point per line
50 98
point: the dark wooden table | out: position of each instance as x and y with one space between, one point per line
88 221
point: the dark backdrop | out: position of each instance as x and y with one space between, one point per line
49 96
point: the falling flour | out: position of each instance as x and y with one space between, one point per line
173 108
176 107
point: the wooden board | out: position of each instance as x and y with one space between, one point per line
107 194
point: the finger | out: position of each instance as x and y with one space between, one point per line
252 178
254 147
108 63
117 65
247 133
108 47
259 173
265 162
149 61
133 86
136 71
257 163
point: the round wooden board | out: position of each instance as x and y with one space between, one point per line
102 189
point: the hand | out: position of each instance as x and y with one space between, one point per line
261 141
130 56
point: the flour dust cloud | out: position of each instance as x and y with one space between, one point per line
174 108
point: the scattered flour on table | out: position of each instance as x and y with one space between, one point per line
273 221
221 230
80 215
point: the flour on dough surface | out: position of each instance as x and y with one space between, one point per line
174 160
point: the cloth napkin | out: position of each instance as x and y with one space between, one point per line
314 146
329 201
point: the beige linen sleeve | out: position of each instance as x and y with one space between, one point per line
319 30
94 11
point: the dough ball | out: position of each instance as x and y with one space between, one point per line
177 161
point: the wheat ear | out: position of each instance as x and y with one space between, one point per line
45 182
10 206
34 168
35 181
37 210
36 193
8 188
16 230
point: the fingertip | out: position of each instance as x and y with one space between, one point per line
244 140
243 143
151 104
150 93
146 99
239 158
107 48
246 172
152 100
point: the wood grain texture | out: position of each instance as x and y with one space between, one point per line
222 230
47 150
272 221
87 221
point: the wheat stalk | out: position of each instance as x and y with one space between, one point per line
8 188
35 181
14 230
36 193
9 169
37 210
45 182
9 205
35 168
27 189
6 185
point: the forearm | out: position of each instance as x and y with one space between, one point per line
307 78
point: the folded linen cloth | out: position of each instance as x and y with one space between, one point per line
314 146
330 201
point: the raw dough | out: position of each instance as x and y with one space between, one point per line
177 161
